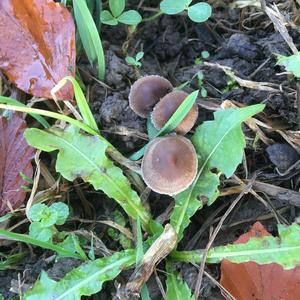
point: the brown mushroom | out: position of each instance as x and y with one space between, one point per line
165 108
146 92
169 164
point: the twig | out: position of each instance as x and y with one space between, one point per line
216 231
298 103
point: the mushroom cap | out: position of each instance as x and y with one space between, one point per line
166 107
169 164
146 92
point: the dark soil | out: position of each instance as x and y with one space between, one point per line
240 39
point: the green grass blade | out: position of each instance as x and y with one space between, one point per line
5 217
173 122
51 114
89 36
10 101
83 106
30 240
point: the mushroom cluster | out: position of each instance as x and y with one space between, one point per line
170 163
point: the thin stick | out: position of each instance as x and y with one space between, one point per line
216 231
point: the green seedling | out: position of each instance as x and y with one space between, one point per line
43 219
116 235
199 12
200 77
118 15
135 61
204 55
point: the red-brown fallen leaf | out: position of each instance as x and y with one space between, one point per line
15 157
250 281
37 45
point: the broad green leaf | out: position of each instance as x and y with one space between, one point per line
173 7
219 144
85 280
116 7
39 232
173 122
177 289
62 211
84 156
130 17
283 250
107 18
291 63
199 12
89 35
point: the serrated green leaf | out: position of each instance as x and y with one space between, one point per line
62 210
291 63
39 232
130 17
199 12
219 144
89 36
84 156
85 280
173 7
283 250
116 7
177 289
107 18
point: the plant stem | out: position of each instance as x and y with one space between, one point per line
158 14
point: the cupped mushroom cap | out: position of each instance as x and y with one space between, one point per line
146 92
169 164
166 107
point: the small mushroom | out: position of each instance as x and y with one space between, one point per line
146 92
165 108
169 164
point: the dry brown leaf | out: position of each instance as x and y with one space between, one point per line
250 281
15 157
37 45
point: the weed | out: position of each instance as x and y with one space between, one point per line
118 15
135 61
43 219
